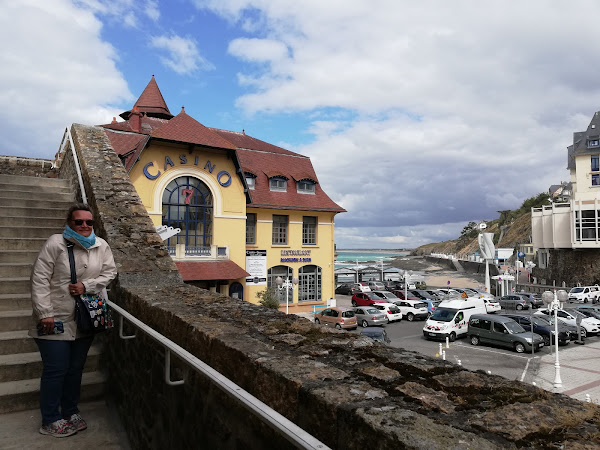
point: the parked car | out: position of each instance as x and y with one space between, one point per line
400 295
535 300
388 296
420 285
431 305
514 301
392 311
571 330
588 306
584 294
413 309
379 334
491 306
588 312
451 317
422 294
448 294
392 285
346 289
588 324
376 286
502 331
542 327
365 299
367 316
337 317
435 294
362 287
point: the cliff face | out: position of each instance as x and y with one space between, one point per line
506 235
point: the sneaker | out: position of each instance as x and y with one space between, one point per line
60 428
78 423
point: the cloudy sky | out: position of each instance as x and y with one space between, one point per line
418 116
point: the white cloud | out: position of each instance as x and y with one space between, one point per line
55 71
151 10
457 109
183 56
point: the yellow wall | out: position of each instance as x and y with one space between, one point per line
229 213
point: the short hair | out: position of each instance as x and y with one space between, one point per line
77 207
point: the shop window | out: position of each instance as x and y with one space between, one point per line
187 204
278 184
306 187
285 273
309 284
280 229
309 230
250 228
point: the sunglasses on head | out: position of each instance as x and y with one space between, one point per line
79 222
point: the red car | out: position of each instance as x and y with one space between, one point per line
400 295
366 299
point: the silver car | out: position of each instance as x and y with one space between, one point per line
367 316
517 302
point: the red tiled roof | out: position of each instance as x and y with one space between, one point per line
243 141
184 128
130 144
151 102
291 166
210 270
148 124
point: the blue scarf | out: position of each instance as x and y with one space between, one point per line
87 242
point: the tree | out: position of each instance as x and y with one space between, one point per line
268 298
469 231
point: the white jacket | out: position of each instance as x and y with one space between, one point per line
51 275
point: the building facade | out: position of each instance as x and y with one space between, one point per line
248 211
573 224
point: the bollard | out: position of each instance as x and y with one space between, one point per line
459 363
489 372
441 348
447 342
588 398
444 355
534 383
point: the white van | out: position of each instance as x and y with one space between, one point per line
451 318
584 294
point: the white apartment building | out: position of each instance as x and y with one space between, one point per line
574 224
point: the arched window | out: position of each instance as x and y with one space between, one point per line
284 272
309 284
187 203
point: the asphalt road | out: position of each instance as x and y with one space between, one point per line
497 360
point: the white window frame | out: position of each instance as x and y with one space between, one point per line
306 184
278 184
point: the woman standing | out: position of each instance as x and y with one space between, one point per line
62 346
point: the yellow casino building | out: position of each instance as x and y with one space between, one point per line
251 215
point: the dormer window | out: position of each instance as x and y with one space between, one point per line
278 184
250 180
306 187
593 141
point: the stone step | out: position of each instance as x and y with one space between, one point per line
29 231
15 320
24 366
39 194
15 302
38 213
14 221
33 181
60 187
22 244
52 204
11 270
16 342
17 285
25 394
17 256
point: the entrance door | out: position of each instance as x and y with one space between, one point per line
236 290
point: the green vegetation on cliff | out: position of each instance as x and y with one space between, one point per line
511 229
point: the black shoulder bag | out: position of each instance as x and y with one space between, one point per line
90 310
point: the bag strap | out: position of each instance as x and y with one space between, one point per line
70 246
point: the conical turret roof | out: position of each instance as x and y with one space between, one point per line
151 102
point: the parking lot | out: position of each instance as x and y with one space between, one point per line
580 371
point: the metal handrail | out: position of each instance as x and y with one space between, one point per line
61 149
292 432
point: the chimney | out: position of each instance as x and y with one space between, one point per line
135 120
114 120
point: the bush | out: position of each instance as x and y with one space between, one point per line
268 298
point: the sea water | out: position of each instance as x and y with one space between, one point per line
352 256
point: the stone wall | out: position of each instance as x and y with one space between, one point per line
570 267
468 266
30 167
345 390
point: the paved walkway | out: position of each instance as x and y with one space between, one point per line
579 370
19 430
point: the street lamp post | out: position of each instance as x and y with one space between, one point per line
553 301
287 285
407 275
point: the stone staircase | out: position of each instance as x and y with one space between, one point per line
31 209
